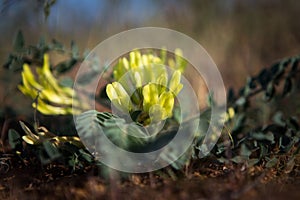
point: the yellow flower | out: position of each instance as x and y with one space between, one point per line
53 99
145 78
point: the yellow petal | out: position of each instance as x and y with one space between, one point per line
163 55
150 93
121 92
132 58
119 96
162 82
145 60
54 98
138 79
181 63
125 63
111 92
175 82
231 112
47 109
178 89
30 140
28 76
172 64
166 101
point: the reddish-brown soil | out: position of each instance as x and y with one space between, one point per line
205 179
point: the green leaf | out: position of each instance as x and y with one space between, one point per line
8 61
125 135
274 128
239 159
239 122
263 151
66 82
252 162
72 161
293 123
263 136
42 42
16 64
57 45
278 118
65 66
51 150
287 87
86 156
19 42
264 78
241 101
210 99
14 138
294 65
87 78
74 50
231 95
270 91
177 114
272 162
245 152
277 70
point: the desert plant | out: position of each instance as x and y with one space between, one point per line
144 89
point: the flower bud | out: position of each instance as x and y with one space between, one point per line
119 96
166 100
150 95
174 85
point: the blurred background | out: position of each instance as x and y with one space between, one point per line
242 36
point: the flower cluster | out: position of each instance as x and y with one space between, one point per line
51 97
144 84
